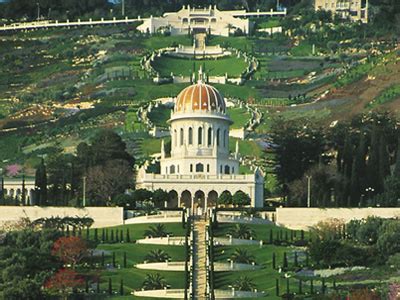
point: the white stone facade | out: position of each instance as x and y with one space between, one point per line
208 20
355 10
199 167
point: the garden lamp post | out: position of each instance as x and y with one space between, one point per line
369 190
84 192
38 11
309 191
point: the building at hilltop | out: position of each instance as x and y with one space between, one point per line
355 10
208 20
199 167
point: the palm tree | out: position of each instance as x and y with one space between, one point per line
241 231
154 282
244 283
242 256
156 231
157 256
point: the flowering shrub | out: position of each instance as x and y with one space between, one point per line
13 170
63 282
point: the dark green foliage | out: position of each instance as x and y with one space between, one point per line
96 238
273 261
128 237
285 261
121 288
277 287
121 236
113 260
300 287
109 286
102 259
41 184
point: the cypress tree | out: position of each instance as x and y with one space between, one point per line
87 233
102 259
73 231
86 285
358 172
112 235
41 184
2 194
96 238
103 235
285 261
312 287
287 287
109 286
121 236
347 156
128 237
307 259
67 231
23 195
296 263
384 162
302 235
373 161
271 237
291 235
300 287
121 288
281 235
117 236
125 260
286 236
277 287
106 235
98 287
323 286
396 171
273 261
113 259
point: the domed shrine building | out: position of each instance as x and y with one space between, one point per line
199 167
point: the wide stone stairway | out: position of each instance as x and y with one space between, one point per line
199 259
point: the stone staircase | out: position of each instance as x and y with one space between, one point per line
199 259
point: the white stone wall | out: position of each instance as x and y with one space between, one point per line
303 218
102 216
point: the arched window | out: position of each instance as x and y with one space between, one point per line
226 169
200 136
175 138
172 169
208 168
178 169
181 136
218 137
199 167
224 138
209 137
190 136
191 168
220 169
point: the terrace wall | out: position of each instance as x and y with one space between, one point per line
102 216
303 218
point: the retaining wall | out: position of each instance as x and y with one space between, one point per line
102 216
303 218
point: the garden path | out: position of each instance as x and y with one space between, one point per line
199 259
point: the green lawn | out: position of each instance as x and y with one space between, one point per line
135 253
246 147
178 66
264 278
239 116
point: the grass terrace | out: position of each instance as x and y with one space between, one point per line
166 65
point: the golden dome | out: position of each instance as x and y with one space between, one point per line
200 97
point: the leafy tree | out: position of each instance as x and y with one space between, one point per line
242 256
41 184
241 199
124 200
160 197
156 231
388 242
391 193
27 289
70 250
154 282
244 283
241 231
225 198
368 230
64 282
109 180
157 256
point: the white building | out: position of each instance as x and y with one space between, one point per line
199 167
207 20
355 10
